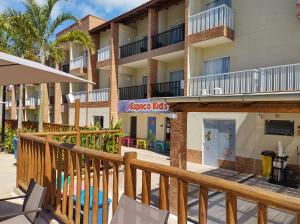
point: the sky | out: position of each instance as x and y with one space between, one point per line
106 9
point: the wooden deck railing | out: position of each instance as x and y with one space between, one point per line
47 127
45 160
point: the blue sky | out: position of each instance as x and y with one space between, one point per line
105 9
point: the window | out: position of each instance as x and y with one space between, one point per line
98 120
277 127
177 76
145 80
216 66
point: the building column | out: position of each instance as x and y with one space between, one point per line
186 48
46 102
13 109
152 64
57 101
94 60
178 153
114 90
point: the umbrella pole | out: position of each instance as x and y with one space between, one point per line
3 115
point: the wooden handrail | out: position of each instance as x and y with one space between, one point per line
58 165
268 198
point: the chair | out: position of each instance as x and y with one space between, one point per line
33 201
142 143
133 212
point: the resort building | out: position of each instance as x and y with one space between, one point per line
222 75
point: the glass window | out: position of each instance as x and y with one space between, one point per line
216 66
176 76
145 80
98 120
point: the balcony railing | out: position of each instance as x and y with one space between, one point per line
134 48
99 95
133 92
285 78
104 54
168 89
8 104
212 18
79 62
32 101
169 37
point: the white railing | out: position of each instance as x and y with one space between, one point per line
8 104
99 95
285 78
32 101
104 54
79 62
212 18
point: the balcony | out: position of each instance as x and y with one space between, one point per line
211 27
78 63
104 54
99 95
168 89
169 37
133 92
134 48
285 78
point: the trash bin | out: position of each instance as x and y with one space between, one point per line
267 158
100 203
16 147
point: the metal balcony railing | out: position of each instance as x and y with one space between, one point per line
104 54
133 92
169 37
134 48
168 89
79 62
98 95
32 101
284 78
212 18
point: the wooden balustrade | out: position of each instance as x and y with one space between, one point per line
46 161
47 127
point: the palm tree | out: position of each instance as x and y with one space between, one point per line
16 39
49 49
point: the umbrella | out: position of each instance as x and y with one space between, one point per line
15 71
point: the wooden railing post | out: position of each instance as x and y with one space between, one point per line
130 175
120 142
231 208
203 205
48 163
262 213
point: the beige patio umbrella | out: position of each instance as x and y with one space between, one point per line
15 71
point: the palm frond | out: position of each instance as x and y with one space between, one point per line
59 20
76 36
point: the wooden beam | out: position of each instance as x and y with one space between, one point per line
265 107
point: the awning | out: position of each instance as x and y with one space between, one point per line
15 70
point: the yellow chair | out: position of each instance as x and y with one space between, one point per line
142 143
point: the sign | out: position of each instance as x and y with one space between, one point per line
142 106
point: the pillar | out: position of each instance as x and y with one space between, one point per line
152 64
13 109
178 153
114 90
94 60
57 101
186 48
45 105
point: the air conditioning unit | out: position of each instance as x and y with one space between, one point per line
204 92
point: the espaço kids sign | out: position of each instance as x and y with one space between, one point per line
142 106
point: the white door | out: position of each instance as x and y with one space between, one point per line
211 143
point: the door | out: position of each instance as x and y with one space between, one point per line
219 141
177 79
133 124
152 130
211 143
